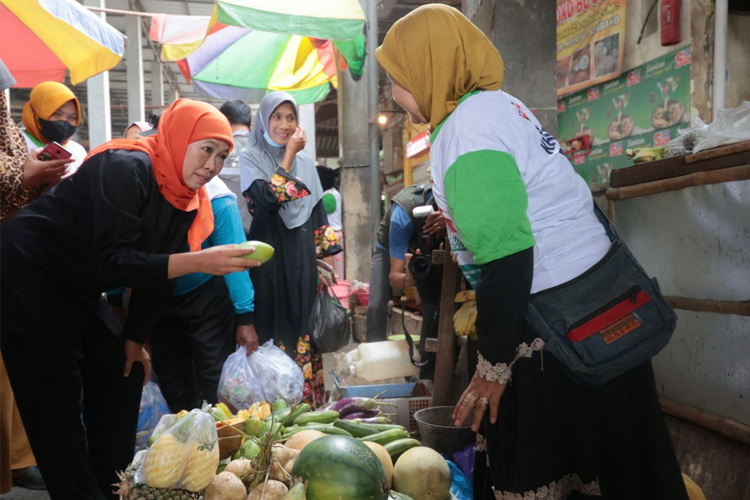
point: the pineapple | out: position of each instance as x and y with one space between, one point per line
165 462
201 466
128 489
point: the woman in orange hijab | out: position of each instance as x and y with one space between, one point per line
134 215
52 114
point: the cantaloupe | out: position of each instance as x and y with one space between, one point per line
385 459
303 438
423 474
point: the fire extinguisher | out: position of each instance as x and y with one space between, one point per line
670 22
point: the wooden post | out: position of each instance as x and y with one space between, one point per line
446 343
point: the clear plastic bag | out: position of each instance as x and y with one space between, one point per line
729 127
153 406
686 140
279 375
185 456
329 322
239 386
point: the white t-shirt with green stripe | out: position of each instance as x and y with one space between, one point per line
503 185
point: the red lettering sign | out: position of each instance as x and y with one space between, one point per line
561 106
615 149
682 58
593 94
661 138
565 11
634 78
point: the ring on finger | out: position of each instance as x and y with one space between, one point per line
484 402
470 398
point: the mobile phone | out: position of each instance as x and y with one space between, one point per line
54 151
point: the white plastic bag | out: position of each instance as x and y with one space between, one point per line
153 406
686 140
729 127
279 375
185 456
239 386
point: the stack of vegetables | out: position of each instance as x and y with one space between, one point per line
274 452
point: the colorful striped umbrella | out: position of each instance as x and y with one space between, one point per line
41 39
339 20
241 63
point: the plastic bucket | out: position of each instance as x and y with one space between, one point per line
438 432
363 297
342 290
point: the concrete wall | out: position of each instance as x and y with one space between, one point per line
524 33
697 243
738 60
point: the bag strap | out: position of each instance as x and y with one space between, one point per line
424 359
608 227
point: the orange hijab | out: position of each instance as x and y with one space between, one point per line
183 123
44 100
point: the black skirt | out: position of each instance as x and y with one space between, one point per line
556 439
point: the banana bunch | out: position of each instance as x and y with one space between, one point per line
465 319
643 155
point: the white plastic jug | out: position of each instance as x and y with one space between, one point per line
381 360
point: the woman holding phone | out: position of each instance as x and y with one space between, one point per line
127 218
52 114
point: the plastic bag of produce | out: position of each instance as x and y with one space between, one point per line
278 374
239 386
185 456
729 127
328 322
461 487
465 460
153 406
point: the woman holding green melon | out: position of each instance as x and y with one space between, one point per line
283 191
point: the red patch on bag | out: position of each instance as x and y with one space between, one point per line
620 329
612 319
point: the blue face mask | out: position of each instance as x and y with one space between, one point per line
271 141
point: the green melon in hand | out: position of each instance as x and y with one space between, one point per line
263 251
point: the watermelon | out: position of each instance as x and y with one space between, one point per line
340 467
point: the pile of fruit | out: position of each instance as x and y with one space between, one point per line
348 450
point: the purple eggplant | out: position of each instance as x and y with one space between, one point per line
362 414
355 404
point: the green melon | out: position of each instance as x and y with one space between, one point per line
263 251
341 468
422 474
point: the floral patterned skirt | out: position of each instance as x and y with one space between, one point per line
311 364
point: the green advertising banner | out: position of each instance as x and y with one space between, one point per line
642 108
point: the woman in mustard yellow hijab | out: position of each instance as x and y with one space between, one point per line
521 222
52 114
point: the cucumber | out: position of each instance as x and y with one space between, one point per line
324 428
294 413
279 415
317 417
382 427
399 446
353 428
385 437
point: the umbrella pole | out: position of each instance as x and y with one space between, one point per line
373 97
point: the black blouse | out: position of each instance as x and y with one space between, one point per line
105 227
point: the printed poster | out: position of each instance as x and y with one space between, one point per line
645 107
590 42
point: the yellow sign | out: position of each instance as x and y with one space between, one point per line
590 42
